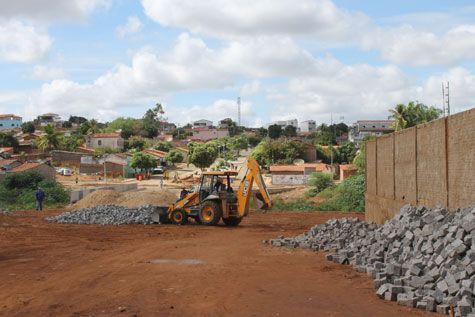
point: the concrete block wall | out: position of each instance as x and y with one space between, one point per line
430 164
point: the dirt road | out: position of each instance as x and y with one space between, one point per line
161 270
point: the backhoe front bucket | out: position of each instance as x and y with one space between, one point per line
159 214
260 201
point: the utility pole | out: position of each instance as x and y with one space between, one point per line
239 110
330 145
446 99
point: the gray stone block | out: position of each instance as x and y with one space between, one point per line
443 309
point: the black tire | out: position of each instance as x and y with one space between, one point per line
210 213
232 222
179 216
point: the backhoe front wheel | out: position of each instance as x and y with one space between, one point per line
179 216
232 221
210 213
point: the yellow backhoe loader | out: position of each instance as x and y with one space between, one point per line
215 200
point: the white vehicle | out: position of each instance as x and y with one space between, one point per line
65 172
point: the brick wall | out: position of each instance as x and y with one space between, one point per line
430 164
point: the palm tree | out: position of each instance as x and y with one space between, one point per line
51 140
399 114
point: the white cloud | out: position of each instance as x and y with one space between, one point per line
41 72
50 10
218 110
406 45
250 89
250 18
133 26
22 42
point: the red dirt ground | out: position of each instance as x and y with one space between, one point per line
73 270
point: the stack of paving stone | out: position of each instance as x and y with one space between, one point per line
106 215
421 258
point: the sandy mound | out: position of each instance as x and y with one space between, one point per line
129 199
6 220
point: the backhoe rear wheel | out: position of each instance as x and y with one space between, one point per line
210 213
179 216
232 221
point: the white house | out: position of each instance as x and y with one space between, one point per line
308 126
362 128
284 123
111 140
202 124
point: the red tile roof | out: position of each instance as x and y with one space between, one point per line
164 136
158 153
7 162
297 168
182 149
6 149
24 167
106 135
83 148
347 167
9 115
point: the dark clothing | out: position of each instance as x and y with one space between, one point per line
40 195
39 199
183 193
219 186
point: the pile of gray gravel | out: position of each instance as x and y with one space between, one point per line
106 215
421 258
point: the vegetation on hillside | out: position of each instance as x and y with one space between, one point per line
17 191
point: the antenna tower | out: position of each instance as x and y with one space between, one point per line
239 110
446 99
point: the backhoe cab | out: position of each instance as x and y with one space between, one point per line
216 199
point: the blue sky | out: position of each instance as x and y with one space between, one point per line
310 59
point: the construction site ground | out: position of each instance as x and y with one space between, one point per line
48 269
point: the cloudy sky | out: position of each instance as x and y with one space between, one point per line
304 59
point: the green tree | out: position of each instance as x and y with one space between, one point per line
143 161
202 155
77 120
6 140
67 124
174 156
135 143
28 127
163 146
50 140
360 158
346 152
412 115
151 120
261 133
277 152
275 131
290 131
239 142
253 140
128 126
70 143
89 127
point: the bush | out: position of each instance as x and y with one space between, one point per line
22 180
22 188
347 196
319 182
298 205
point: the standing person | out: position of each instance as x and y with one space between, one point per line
161 182
40 195
183 193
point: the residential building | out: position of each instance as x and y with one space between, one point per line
6 164
6 150
209 134
362 128
347 170
308 126
296 174
202 124
10 121
166 128
158 155
44 169
50 118
110 140
284 123
225 123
